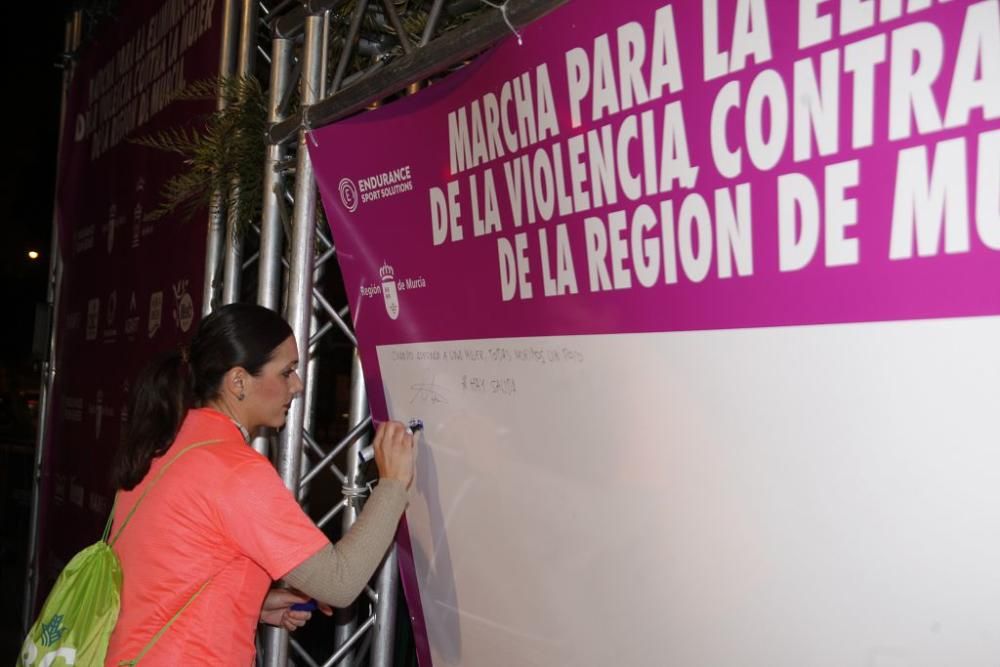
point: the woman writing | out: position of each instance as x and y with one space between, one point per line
216 525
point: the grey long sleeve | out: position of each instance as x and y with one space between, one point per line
337 573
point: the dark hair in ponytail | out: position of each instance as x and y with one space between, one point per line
239 334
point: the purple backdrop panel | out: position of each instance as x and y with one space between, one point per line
131 285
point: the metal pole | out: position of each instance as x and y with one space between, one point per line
269 262
309 394
233 263
309 398
387 586
216 228
300 279
269 276
432 21
248 39
71 41
352 37
44 417
346 618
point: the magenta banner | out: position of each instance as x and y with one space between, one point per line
700 165
131 285
620 172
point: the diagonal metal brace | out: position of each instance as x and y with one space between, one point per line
351 436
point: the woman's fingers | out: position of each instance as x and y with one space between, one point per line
394 452
295 619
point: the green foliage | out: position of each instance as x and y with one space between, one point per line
230 149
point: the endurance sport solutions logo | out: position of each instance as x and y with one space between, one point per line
374 188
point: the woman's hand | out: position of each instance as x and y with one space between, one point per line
277 609
394 453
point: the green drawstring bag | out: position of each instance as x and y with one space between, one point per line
80 613
76 621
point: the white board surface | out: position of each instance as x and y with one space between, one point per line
821 496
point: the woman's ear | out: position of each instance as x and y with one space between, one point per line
236 382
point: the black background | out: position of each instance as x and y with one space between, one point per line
32 80
34 45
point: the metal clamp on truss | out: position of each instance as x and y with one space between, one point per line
355 492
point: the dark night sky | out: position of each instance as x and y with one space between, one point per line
33 45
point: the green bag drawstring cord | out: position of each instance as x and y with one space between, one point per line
134 661
111 516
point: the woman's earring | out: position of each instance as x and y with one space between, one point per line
240 397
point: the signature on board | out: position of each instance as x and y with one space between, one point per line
427 392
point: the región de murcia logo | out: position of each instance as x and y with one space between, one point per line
391 287
389 291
